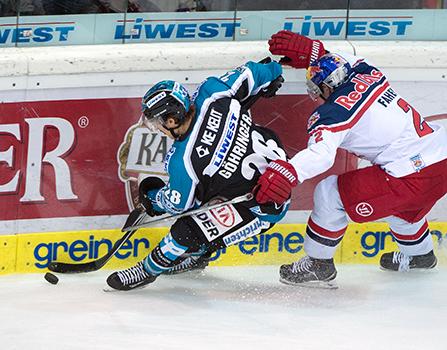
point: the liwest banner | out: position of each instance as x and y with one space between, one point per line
117 28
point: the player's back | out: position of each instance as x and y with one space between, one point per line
380 125
228 151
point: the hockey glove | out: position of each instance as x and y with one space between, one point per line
276 184
150 184
298 50
273 87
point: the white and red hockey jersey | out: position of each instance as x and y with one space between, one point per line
366 117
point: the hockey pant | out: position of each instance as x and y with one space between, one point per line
328 222
205 232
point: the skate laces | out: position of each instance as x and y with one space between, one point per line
188 263
403 260
302 265
133 274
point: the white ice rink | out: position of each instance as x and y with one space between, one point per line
227 308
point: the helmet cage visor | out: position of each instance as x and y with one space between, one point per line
168 106
313 90
152 124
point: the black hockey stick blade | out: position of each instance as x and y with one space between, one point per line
62 267
94 265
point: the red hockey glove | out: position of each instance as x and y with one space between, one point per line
276 184
299 51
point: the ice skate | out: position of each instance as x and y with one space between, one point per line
131 278
398 261
191 263
310 272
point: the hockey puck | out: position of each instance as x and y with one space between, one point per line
51 278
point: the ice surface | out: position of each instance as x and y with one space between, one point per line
227 308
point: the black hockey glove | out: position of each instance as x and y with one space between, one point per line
148 184
273 87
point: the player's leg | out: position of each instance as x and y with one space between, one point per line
370 193
325 229
228 226
183 239
197 235
415 246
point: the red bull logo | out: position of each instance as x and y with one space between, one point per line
312 71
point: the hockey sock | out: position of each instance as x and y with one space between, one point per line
164 256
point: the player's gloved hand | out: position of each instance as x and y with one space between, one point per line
276 184
273 87
298 50
149 185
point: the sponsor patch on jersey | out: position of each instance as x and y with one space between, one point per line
417 162
251 229
312 120
362 84
202 151
364 209
168 158
216 222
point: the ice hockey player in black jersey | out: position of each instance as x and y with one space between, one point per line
218 153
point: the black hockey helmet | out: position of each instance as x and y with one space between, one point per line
165 99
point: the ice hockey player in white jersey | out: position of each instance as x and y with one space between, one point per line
361 113
218 152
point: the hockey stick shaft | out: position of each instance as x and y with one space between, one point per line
243 198
135 216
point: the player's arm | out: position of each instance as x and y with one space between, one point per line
319 155
298 51
178 195
276 184
253 78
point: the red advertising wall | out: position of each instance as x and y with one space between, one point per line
60 158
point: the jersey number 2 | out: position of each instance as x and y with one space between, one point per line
422 128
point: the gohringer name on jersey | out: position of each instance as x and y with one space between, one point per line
239 149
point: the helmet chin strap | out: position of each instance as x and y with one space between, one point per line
174 135
171 130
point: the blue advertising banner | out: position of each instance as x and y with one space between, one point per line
334 24
51 30
221 26
175 26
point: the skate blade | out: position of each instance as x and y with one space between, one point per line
412 271
313 284
108 289
195 272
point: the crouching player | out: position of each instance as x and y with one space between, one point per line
218 152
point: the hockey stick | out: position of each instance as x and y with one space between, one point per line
135 217
243 198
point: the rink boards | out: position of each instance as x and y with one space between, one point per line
362 244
